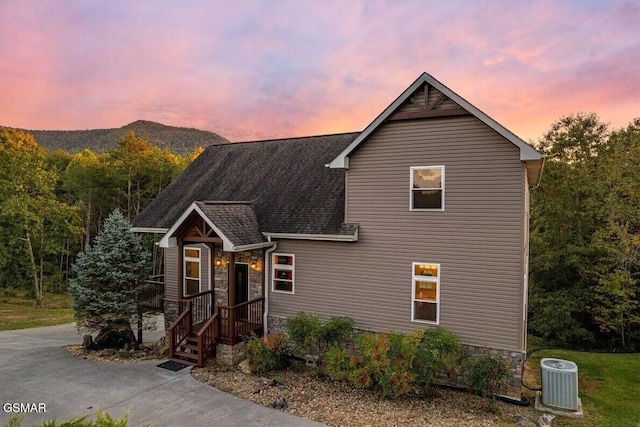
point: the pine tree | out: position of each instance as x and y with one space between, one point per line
109 280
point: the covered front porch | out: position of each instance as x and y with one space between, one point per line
214 257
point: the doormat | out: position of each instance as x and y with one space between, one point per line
172 365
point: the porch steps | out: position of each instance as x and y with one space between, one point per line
187 352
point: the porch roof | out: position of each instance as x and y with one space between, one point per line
234 222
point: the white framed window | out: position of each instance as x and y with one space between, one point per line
192 283
283 273
425 294
426 188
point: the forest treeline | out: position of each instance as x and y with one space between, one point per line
179 140
585 236
53 203
584 283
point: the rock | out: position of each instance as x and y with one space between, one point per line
279 403
312 360
87 342
546 420
521 420
161 348
244 367
107 352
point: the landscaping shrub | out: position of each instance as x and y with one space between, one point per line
487 376
437 351
308 334
334 332
302 330
388 358
267 354
338 363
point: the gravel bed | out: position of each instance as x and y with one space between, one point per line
339 404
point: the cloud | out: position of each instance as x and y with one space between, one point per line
259 69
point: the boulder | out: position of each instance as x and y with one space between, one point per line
546 420
244 367
107 352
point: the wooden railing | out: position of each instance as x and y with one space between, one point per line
201 305
241 320
153 295
180 329
207 337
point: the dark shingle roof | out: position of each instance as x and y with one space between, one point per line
290 189
236 220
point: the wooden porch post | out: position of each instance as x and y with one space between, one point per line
180 269
212 269
232 295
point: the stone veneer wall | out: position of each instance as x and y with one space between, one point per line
230 355
256 276
515 359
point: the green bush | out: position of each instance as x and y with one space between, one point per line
394 363
388 358
334 332
338 363
437 351
308 334
302 330
267 354
487 376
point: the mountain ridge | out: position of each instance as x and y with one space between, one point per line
180 140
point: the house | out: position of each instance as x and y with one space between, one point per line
419 220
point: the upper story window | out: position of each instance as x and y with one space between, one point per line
427 188
283 273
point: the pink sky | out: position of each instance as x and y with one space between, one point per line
264 69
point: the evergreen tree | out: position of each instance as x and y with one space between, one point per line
109 279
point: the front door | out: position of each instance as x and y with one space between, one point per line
242 283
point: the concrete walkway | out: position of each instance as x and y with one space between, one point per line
35 368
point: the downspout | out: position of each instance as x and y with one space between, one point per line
267 268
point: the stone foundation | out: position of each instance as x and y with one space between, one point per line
515 359
230 355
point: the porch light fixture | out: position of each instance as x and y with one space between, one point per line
220 262
255 266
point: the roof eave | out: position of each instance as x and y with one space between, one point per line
306 236
149 230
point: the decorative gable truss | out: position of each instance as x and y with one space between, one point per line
427 101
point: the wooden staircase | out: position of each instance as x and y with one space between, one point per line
193 343
187 351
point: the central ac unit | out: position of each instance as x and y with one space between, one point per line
559 384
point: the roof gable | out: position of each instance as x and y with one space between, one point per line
427 97
233 222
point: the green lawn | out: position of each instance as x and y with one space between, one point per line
17 310
608 384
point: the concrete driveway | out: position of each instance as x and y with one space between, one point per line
35 368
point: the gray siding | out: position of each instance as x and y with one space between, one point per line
478 239
171 273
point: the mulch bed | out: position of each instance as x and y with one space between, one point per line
339 404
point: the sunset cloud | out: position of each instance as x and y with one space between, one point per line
262 69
